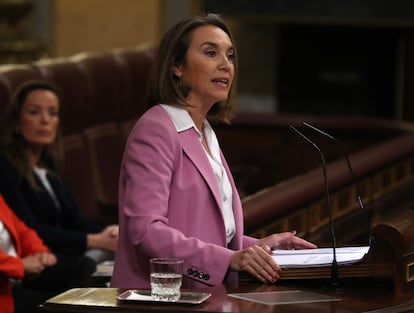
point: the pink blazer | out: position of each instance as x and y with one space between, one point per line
169 206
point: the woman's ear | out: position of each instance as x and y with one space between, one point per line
177 71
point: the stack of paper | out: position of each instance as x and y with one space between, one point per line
319 257
105 268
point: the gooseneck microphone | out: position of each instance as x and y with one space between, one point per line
345 154
334 266
358 195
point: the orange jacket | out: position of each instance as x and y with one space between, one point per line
26 242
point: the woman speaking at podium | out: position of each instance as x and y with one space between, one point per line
177 197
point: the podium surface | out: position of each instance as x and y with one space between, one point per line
382 283
357 295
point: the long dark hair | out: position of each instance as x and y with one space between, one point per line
164 86
12 144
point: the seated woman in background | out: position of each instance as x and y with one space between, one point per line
36 193
22 253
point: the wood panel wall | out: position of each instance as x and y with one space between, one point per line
96 25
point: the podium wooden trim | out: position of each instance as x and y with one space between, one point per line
391 257
357 297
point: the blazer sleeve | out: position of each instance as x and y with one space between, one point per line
11 266
26 242
248 241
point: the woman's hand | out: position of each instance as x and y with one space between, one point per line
36 263
106 239
286 241
47 258
257 261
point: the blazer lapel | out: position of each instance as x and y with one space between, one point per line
192 147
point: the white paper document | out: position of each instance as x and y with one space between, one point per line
319 257
105 268
283 297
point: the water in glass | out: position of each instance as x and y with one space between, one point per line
166 286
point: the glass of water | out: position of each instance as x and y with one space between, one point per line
166 278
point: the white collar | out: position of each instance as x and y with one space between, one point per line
182 119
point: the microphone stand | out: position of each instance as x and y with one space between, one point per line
335 284
345 154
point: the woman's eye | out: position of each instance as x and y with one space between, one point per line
211 53
33 112
54 113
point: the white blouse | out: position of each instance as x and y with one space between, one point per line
183 121
226 192
6 242
42 174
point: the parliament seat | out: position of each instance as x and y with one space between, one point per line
77 172
106 146
75 85
102 95
16 75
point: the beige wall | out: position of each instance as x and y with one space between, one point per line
96 25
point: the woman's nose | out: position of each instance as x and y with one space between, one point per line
225 63
45 117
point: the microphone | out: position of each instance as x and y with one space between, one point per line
345 154
334 266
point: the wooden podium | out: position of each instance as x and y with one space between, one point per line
391 256
383 282
359 296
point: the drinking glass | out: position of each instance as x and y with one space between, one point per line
166 278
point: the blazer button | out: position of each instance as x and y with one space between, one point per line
190 271
195 273
206 277
201 275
